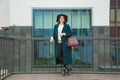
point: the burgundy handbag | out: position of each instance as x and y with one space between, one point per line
72 42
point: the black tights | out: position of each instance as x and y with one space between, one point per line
59 56
65 66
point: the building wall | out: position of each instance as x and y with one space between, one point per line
4 13
21 16
21 10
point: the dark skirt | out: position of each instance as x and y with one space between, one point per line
59 54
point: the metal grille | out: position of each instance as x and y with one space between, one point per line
16 56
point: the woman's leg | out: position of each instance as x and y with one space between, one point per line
59 58
68 69
59 54
63 70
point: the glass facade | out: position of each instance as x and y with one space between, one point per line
115 29
113 3
80 23
113 17
79 20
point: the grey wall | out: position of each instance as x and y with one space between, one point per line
17 31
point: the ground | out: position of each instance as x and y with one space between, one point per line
59 77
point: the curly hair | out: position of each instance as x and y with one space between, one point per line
65 18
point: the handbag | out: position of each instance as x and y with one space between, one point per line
72 42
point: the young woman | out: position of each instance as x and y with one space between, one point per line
60 35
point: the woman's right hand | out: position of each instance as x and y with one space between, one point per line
51 39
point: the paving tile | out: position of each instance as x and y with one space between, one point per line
59 77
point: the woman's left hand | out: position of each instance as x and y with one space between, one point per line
62 34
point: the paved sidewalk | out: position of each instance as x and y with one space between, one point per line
59 77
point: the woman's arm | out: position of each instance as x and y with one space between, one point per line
68 33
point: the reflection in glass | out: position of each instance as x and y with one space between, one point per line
119 15
80 23
112 15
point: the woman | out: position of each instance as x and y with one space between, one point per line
60 35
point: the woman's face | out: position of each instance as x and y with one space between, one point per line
62 19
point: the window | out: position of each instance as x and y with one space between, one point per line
112 14
115 27
119 16
43 23
79 20
113 3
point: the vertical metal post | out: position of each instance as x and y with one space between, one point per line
19 54
0 57
12 55
37 52
49 55
4 59
116 32
98 53
25 54
104 54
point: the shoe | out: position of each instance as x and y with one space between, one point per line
63 72
69 69
68 72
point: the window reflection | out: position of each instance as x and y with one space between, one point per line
44 21
80 23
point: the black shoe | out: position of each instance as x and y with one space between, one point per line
69 69
63 72
68 72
